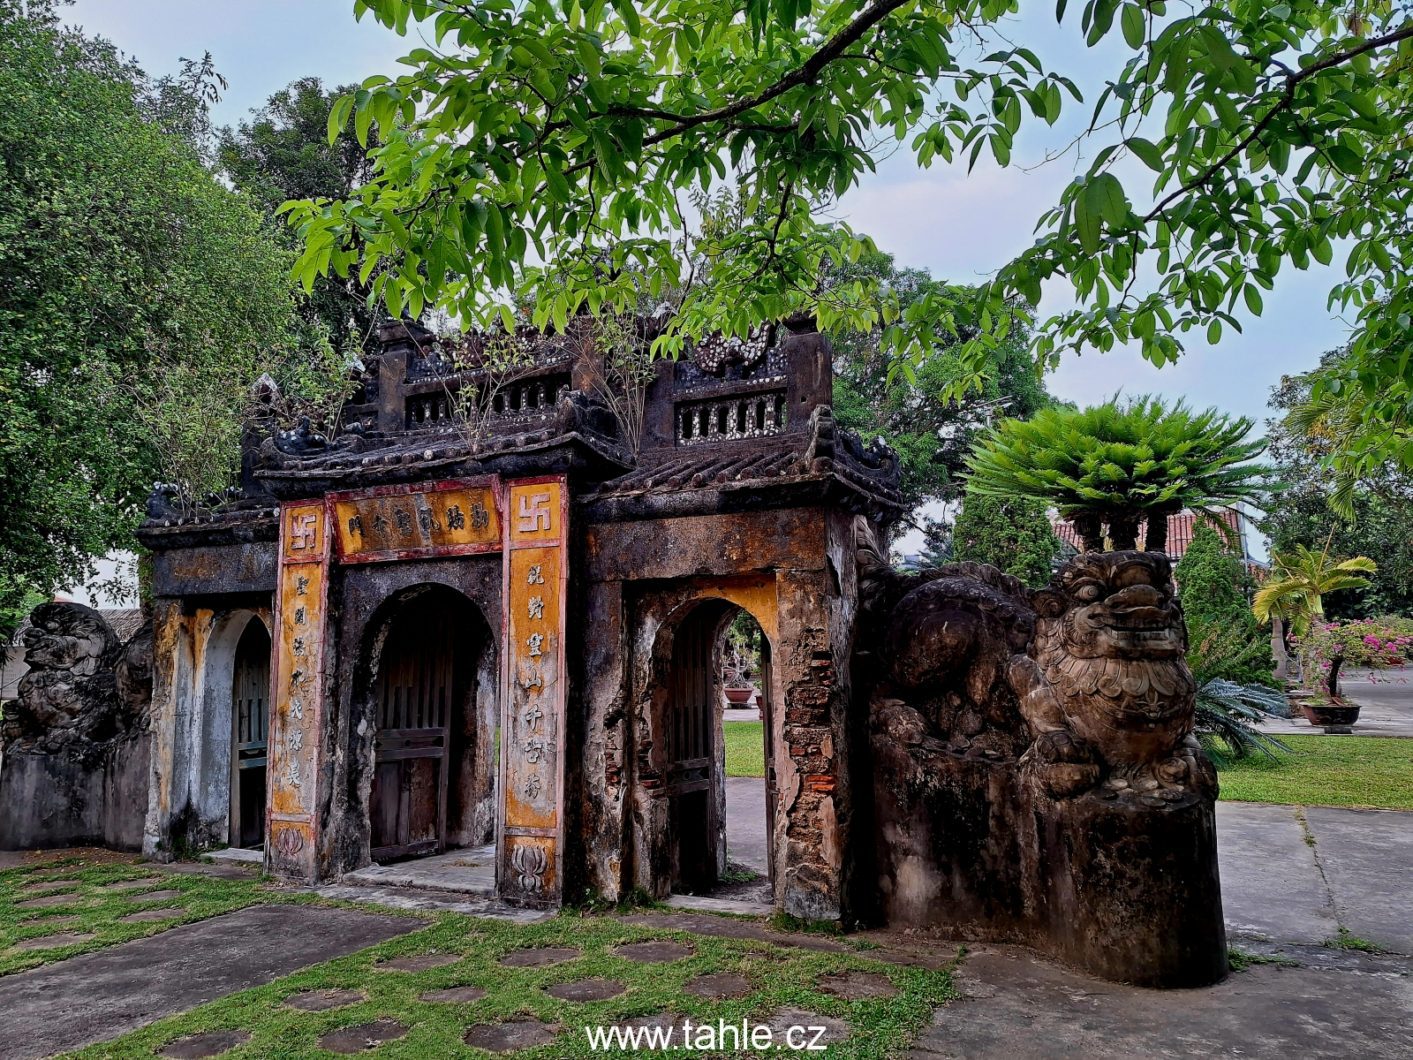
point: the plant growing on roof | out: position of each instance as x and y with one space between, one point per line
1115 464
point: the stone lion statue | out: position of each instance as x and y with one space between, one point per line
1035 777
83 688
1085 681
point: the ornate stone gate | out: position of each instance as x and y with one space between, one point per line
928 757
525 520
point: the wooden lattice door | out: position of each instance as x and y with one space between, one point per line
696 816
250 690
420 682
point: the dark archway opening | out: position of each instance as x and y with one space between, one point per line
250 714
720 772
427 792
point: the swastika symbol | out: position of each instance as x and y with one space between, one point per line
303 531
534 513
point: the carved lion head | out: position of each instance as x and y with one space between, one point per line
1111 641
1114 605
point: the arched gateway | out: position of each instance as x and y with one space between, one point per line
432 771
496 601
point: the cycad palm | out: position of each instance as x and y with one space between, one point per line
1300 579
1115 464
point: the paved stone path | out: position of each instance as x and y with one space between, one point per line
1291 878
1019 1007
1289 874
745 823
471 872
100 995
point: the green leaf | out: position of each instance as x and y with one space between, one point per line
338 116
1135 25
628 11
361 123
1088 223
1104 195
1147 151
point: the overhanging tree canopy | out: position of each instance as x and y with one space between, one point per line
138 299
543 147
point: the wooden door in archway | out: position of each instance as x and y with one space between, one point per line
695 749
420 685
693 790
250 691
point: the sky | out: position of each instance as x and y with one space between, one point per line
957 225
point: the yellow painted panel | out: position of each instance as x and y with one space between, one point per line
430 519
536 660
302 532
535 512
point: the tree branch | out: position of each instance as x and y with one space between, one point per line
1292 82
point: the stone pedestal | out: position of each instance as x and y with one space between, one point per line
1121 885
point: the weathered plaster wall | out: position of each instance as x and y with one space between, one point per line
54 801
247 567
188 805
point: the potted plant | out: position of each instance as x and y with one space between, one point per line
739 689
1295 591
1373 644
738 664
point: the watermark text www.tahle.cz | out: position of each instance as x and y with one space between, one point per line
711 1037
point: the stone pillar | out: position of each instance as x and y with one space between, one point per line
530 833
603 709
1134 894
298 711
169 671
808 756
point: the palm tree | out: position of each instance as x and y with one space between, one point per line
1117 464
1299 580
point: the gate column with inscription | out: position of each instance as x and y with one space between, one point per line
297 691
530 822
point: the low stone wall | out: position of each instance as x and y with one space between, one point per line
75 760
51 800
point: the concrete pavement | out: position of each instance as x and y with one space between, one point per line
1385 700
1292 877
99 995
1017 1006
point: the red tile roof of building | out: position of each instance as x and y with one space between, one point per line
1180 530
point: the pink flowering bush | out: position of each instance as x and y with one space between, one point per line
1375 643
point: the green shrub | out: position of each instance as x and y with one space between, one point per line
1224 640
1012 533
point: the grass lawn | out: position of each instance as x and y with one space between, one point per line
1369 772
779 977
745 748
